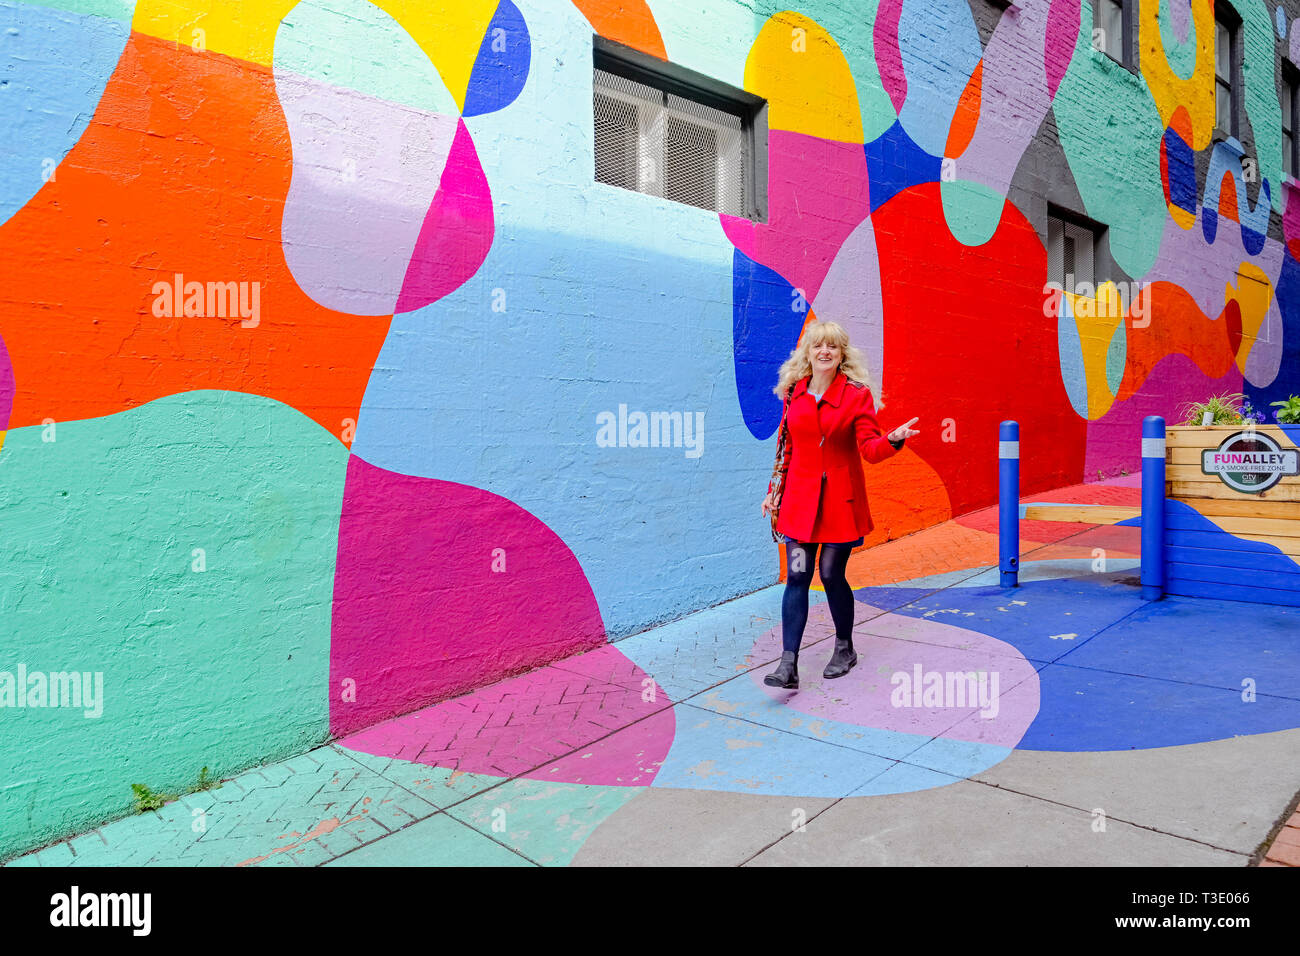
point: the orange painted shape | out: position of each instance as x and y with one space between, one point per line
183 170
1228 198
625 21
967 115
1181 123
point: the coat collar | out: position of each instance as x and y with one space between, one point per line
834 394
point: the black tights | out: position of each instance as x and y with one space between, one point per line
799 575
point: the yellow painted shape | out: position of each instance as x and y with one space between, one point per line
1181 217
800 70
1168 89
1253 294
1097 319
449 31
244 29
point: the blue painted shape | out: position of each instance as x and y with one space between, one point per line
1287 381
1231 590
765 330
1083 709
1186 528
1116 358
940 48
1208 642
962 758
1225 557
1180 164
55 66
895 162
1070 351
904 777
1080 606
501 68
1279 22
713 752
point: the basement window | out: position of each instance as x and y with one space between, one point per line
666 131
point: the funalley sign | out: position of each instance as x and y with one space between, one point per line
1250 462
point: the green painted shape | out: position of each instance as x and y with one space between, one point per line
1116 356
437 841
972 211
545 820
1110 133
224 668
1263 107
1181 56
355 45
123 10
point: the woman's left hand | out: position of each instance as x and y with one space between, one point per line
904 430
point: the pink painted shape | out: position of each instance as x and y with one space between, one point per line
7 386
817 196
457 231
419 614
540 725
897 643
889 58
1113 439
1062 34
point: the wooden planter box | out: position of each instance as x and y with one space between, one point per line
1219 541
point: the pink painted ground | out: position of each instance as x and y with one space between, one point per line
440 588
868 697
519 726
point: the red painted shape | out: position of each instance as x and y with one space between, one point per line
966 340
1232 316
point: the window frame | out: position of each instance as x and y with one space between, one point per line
671 78
1291 80
1128 47
1101 261
1224 14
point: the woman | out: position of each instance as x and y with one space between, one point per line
832 427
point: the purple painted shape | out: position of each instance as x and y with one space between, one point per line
7 386
1062 33
1264 360
1180 18
850 295
420 614
1187 260
539 725
364 173
457 232
1293 48
1175 379
817 196
872 694
889 57
1017 89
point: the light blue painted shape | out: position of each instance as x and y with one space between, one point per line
1070 347
54 65
1116 357
712 752
940 47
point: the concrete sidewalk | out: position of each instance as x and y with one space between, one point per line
1096 730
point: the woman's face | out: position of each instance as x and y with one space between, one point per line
825 357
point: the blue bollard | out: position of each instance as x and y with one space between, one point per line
1153 508
1009 503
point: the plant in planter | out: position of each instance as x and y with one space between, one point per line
1288 412
1226 409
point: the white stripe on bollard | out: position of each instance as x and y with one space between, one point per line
1153 448
1008 449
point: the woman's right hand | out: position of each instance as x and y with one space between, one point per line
767 505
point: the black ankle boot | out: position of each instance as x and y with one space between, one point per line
842 660
786 673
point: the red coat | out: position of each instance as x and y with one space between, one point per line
825 497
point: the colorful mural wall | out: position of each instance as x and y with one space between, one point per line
313 311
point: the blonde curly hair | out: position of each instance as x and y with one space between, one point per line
799 364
